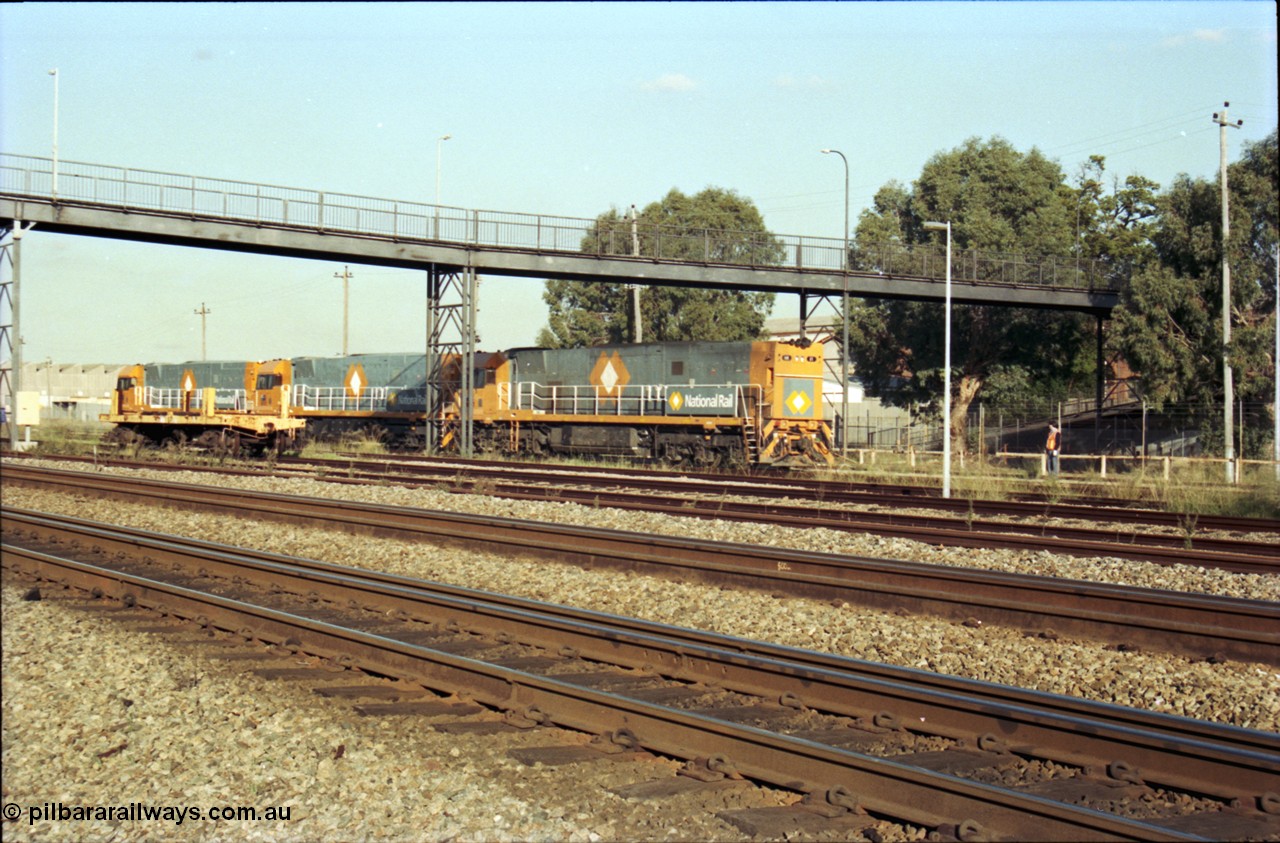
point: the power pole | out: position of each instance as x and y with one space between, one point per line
202 313
345 275
1228 389
638 329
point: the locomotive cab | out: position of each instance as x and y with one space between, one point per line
129 394
267 386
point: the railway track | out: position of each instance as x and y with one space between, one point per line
792 487
964 759
1237 555
1191 624
812 490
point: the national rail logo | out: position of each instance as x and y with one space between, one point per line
798 402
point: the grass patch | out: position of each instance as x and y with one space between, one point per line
68 436
348 443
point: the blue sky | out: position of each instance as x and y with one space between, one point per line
565 108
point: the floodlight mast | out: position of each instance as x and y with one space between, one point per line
844 343
946 367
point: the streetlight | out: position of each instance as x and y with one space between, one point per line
946 368
439 144
844 345
54 74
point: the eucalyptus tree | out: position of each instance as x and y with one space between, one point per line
712 226
999 201
1169 326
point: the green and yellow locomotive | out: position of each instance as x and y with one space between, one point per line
687 403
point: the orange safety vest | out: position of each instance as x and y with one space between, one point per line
1052 443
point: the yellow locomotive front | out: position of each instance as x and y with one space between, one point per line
790 427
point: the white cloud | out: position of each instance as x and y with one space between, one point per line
1209 36
670 82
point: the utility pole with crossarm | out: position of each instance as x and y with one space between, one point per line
202 313
1228 390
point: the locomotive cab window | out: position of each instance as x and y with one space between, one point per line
269 381
126 383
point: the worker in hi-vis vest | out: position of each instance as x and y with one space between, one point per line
1052 447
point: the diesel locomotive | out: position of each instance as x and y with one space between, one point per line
688 403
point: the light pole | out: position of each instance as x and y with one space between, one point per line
54 74
946 368
844 343
439 144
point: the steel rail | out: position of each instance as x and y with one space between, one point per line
801 488
884 787
1234 555
1185 754
1199 625
821 492
1225 554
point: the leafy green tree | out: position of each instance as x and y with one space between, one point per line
1115 228
712 226
1169 326
997 200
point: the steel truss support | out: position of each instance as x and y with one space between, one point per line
450 359
10 344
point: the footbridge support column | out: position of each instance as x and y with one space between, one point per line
450 359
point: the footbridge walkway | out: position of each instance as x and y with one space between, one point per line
125 203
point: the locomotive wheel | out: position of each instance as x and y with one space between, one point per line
704 457
227 444
126 438
176 441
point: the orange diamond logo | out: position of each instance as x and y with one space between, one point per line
798 402
356 380
676 401
610 375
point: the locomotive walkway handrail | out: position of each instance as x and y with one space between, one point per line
191 196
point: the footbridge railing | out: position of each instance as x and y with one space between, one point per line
191 196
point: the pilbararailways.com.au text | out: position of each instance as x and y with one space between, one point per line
143 812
